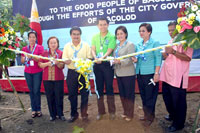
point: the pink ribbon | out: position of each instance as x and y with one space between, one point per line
196 29
185 26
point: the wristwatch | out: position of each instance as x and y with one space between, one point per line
174 52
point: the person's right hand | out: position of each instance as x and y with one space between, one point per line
165 55
49 63
28 56
169 50
98 60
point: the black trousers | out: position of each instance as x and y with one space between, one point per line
126 87
54 93
73 85
175 101
104 74
148 93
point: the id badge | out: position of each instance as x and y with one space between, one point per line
31 63
101 48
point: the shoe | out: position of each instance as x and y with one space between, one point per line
62 118
99 117
123 116
85 119
112 116
167 118
39 114
173 129
142 119
72 119
34 114
147 123
128 119
52 118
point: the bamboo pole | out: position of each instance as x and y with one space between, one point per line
12 86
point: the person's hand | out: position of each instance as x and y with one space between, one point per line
68 62
98 60
49 63
134 59
165 55
156 78
56 62
117 61
169 50
28 56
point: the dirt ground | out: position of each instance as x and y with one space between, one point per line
13 120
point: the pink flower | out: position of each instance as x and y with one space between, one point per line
185 26
17 39
10 47
196 29
17 45
4 44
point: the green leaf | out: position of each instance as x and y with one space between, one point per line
192 39
5 61
9 54
178 38
78 130
194 43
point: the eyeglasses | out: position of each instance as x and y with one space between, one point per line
141 31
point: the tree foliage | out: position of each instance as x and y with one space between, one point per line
6 9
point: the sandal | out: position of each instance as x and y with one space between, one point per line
39 114
34 114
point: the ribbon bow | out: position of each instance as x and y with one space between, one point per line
84 67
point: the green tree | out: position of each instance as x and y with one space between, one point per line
6 9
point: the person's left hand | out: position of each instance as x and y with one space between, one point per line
68 61
156 78
56 62
134 59
116 61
